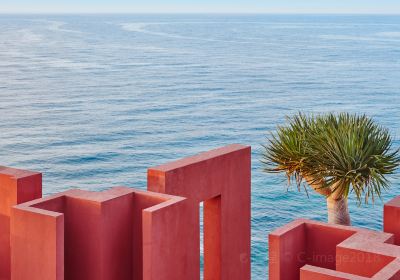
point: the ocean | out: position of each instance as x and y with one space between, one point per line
92 101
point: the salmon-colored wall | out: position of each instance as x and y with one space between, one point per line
391 221
123 233
16 186
321 243
167 228
220 178
96 235
37 239
311 250
287 251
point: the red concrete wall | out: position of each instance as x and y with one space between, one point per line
167 229
16 186
321 243
141 201
287 251
391 220
310 272
212 223
124 233
97 236
312 250
220 178
37 239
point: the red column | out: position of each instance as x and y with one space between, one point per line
212 238
220 178
117 234
37 239
391 218
16 186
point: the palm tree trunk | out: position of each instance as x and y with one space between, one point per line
338 211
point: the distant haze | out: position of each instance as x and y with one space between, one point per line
202 6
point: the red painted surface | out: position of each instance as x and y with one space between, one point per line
391 221
310 272
95 235
312 250
16 186
220 178
124 233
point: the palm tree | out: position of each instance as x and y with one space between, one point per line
335 155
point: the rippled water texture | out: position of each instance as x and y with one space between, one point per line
92 101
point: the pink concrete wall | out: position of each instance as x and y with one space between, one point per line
166 230
220 178
287 251
310 272
123 233
37 239
16 186
391 221
96 235
311 250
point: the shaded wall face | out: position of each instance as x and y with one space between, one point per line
8 198
55 205
305 249
127 234
83 246
221 179
287 253
101 235
16 186
391 218
103 240
140 202
321 242
81 235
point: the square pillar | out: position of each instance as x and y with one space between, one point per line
391 219
16 186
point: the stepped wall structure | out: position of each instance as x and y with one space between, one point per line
125 233
310 250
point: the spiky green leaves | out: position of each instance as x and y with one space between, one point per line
348 153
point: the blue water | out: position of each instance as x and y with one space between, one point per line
93 101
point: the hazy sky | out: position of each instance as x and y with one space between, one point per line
200 6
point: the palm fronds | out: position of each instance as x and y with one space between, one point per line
347 152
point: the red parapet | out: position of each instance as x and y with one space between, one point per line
221 179
114 234
124 233
16 186
391 218
312 250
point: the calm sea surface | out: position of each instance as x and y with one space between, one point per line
93 101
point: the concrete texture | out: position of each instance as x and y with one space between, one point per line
114 234
16 186
221 179
312 250
124 233
391 221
